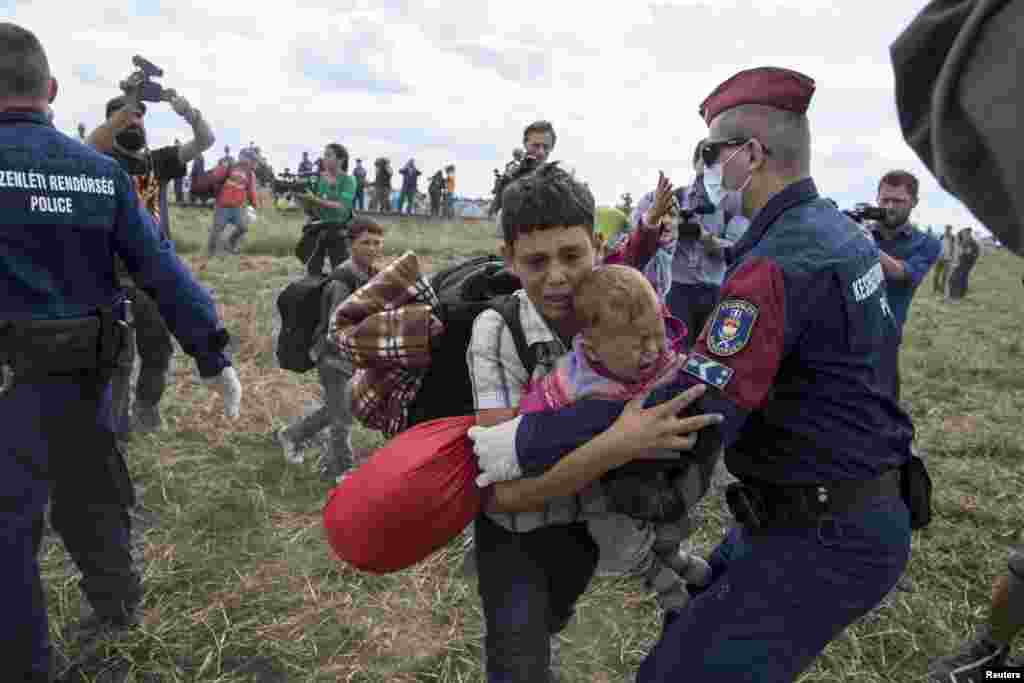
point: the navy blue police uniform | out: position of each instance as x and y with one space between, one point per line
66 211
794 356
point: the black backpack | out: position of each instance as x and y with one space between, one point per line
301 306
465 290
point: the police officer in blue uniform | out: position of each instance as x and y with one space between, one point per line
65 212
793 359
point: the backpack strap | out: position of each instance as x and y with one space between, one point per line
508 307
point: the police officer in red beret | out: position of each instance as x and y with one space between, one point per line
796 352
794 358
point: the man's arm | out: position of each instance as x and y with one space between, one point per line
912 270
742 382
204 137
634 433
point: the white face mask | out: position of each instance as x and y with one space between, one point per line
730 201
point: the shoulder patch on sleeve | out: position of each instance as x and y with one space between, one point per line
731 326
708 371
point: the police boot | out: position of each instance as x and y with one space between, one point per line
146 417
970 662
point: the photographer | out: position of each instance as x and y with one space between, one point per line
382 186
705 234
123 136
539 140
331 200
907 253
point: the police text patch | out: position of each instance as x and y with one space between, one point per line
731 327
708 371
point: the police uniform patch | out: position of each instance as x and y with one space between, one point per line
731 327
708 371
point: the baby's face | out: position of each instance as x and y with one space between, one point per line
629 350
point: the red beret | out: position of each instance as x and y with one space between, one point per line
767 85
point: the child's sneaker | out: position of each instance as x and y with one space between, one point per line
292 449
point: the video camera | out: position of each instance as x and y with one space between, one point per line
688 208
513 170
292 184
865 212
140 81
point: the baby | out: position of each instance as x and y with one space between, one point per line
622 352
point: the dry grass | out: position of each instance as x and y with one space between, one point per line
242 587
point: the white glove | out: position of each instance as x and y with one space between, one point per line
253 215
495 449
228 386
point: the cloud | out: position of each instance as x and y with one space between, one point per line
457 82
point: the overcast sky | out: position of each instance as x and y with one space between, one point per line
456 82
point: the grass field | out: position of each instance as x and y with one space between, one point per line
240 584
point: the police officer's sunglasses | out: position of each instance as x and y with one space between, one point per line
711 149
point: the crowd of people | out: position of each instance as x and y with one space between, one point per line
740 316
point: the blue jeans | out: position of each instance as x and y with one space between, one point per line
692 304
222 215
778 597
529 583
58 437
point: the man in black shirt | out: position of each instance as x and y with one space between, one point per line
123 136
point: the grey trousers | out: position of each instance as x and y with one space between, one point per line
336 412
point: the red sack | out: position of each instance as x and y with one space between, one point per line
414 495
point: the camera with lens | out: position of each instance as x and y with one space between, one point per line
515 169
862 213
141 82
688 204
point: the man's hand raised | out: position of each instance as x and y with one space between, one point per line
662 202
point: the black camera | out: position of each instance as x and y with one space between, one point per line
697 204
514 170
865 212
140 81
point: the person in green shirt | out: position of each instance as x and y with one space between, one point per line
331 201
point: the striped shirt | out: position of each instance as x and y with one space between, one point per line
499 381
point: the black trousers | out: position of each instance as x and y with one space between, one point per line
155 350
332 244
529 584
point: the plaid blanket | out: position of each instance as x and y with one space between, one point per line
384 329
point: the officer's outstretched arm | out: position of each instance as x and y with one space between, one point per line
186 306
737 360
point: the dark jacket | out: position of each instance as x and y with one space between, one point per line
58 255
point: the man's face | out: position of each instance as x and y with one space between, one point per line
539 145
897 202
629 350
550 263
366 249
